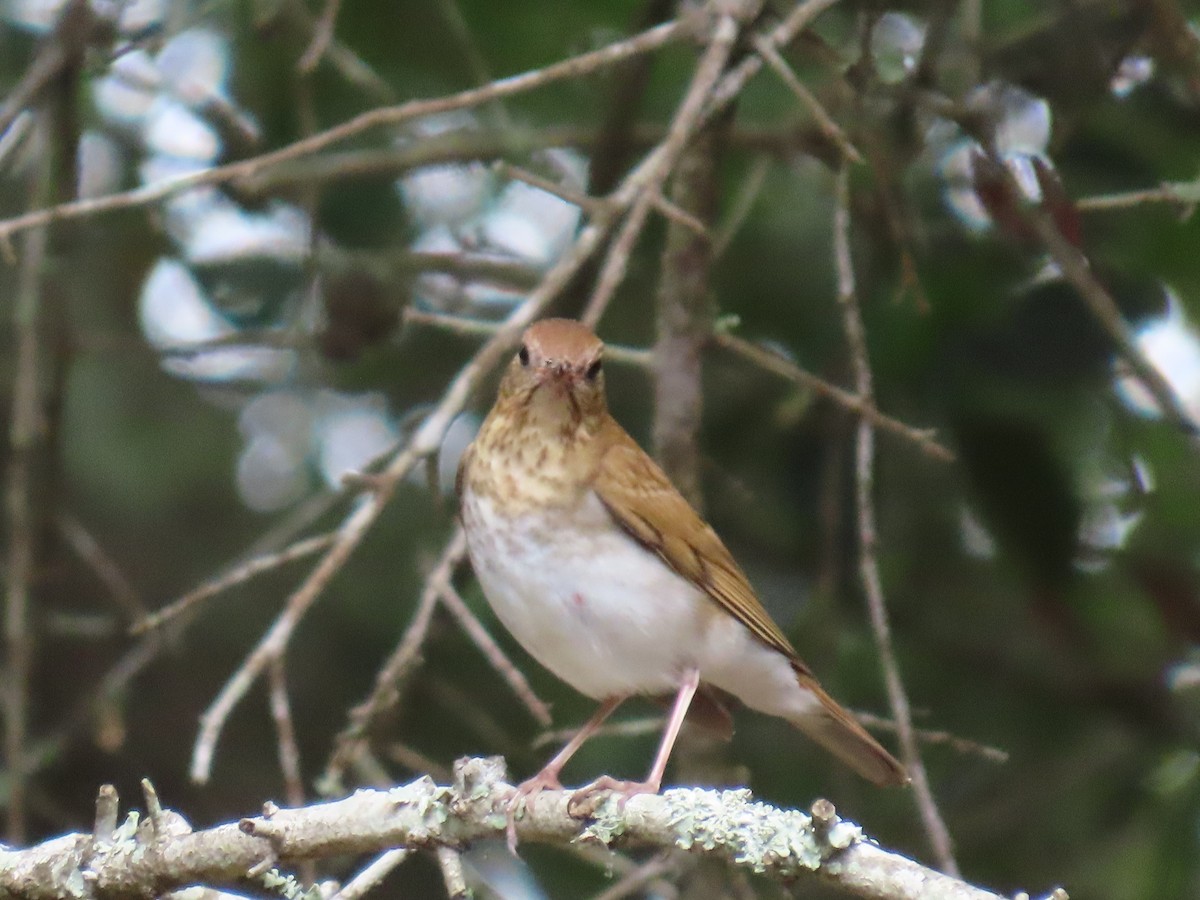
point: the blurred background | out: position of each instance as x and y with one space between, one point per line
207 368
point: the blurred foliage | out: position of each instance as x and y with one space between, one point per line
1015 626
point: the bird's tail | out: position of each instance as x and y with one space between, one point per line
837 731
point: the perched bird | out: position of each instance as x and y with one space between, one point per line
607 576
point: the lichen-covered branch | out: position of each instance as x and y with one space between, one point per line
149 857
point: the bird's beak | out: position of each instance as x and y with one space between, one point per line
557 372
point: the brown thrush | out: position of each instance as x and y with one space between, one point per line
608 577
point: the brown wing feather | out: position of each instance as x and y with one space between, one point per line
643 501
460 473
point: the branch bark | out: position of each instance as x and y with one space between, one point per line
146 859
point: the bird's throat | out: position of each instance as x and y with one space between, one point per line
537 452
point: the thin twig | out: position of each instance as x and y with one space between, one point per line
687 120
935 827
239 574
321 37
743 202
460 31
493 653
824 121
782 845
1076 268
477 144
451 864
783 34
634 882
680 216
630 728
390 678
58 51
930 736
288 749
378 869
773 362
462 325
574 67
285 734
1185 195
590 205
88 549
488 724
342 58
416 762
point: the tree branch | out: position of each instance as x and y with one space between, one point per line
872 581
162 852
572 67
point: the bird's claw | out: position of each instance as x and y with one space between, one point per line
586 800
523 796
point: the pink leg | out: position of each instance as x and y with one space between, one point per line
627 789
547 779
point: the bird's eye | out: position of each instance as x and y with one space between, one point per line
523 356
593 370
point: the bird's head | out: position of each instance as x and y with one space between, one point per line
557 374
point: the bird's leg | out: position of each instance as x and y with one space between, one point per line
547 779
583 800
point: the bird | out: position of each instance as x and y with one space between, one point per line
609 578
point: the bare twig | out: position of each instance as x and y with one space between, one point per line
630 728
783 34
824 121
474 144
864 407
783 845
574 67
856 337
492 652
88 549
688 119
641 877
288 748
1076 268
477 328
739 209
378 869
239 574
64 45
389 680
468 46
285 734
680 216
321 37
415 761
1185 195
590 205
930 736
451 864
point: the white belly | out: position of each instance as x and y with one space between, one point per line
609 617
590 604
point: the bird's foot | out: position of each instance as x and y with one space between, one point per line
545 780
586 800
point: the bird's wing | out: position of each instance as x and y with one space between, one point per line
643 501
460 474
